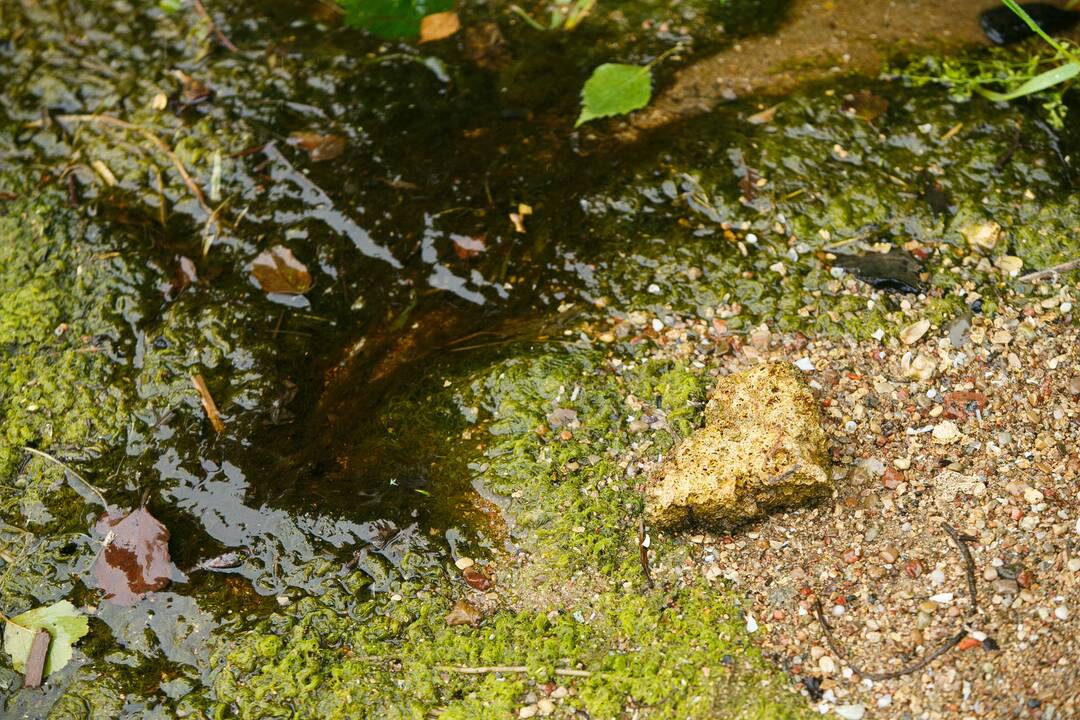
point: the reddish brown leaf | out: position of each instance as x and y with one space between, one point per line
135 557
477 579
278 271
319 147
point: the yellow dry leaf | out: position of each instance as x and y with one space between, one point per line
439 26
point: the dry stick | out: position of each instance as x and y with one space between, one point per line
1040 274
154 140
208 402
564 672
644 553
969 565
945 647
35 660
213 26
69 471
914 667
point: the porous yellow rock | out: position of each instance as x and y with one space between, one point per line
762 448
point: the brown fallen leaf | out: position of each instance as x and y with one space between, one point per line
278 271
35 661
439 26
134 559
468 247
208 403
319 147
477 579
865 104
765 116
464 613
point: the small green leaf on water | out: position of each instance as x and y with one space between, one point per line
171 6
615 89
61 620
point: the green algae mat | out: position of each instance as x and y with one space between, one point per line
369 328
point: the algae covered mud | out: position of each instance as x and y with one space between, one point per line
430 457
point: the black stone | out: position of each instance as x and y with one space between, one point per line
894 271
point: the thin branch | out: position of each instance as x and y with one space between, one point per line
213 26
969 565
69 470
463 670
153 140
907 670
643 550
1060 268
949 644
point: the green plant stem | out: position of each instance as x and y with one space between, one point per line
70 471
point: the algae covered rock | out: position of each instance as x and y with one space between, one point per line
762 448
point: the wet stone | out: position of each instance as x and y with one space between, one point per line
762 448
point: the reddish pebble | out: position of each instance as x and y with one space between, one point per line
913 568
851 556
1024 579
477 580
969 643
778 615
892 478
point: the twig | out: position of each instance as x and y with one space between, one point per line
564 672
213 26
1060 268
35 660
208 402
969 564
154 140
69 471
914 667
643 549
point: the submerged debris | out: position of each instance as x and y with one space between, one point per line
895 271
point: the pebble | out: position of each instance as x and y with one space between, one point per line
914 332
890 554
464 563
545 706
1061 612
1004 586
1074 565
528 711
946 432
937 577
851 712
826 665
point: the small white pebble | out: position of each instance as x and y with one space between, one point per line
878 335
942 598
884 701
805 364
838 610
464 563
751 623
657 324
937 578
1061 612
851 712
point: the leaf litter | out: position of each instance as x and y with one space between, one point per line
63 623
278 271
134 559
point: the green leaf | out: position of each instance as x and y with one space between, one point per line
615 89
63 622
391 19
1036 84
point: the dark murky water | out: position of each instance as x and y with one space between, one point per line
342 443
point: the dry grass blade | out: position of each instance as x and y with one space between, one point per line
153 140
208 402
